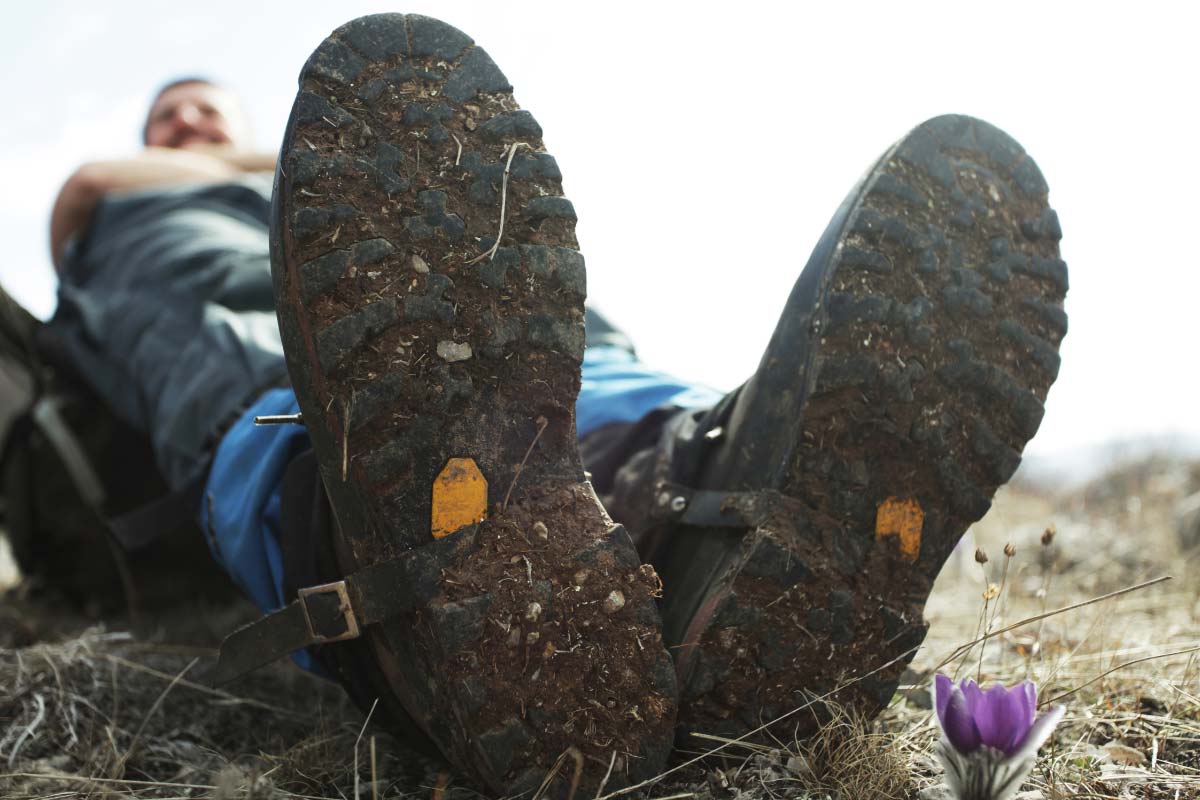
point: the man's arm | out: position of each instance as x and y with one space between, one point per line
245 160
81 193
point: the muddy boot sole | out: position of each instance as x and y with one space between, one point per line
430 296
905 377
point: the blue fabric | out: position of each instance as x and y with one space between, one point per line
619 388
244 487
242 502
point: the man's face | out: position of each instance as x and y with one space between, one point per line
197 114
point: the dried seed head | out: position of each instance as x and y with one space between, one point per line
1048 535
991 592
614 602
540 529
1010 550
533 612
980 556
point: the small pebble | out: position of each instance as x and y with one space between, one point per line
614 602
419 265
540 529
453 351
581 577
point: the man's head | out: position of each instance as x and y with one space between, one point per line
196 111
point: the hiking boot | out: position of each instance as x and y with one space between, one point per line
799 525
430 296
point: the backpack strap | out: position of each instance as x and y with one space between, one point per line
47 416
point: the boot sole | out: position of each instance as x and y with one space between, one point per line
535 630
920 344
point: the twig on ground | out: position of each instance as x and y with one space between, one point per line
38 717
118 768
1107 672
612 761
366 722
199 687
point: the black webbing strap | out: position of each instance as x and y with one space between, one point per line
148 522
332 612
704 508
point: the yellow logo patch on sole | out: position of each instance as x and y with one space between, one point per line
459 497
902 519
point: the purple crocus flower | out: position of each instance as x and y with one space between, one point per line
991 738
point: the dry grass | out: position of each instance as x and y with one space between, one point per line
101 715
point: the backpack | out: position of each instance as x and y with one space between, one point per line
69 468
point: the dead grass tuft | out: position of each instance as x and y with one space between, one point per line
849 757
87 713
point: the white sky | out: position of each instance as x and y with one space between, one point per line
705 148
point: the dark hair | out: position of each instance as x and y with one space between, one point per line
168 86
